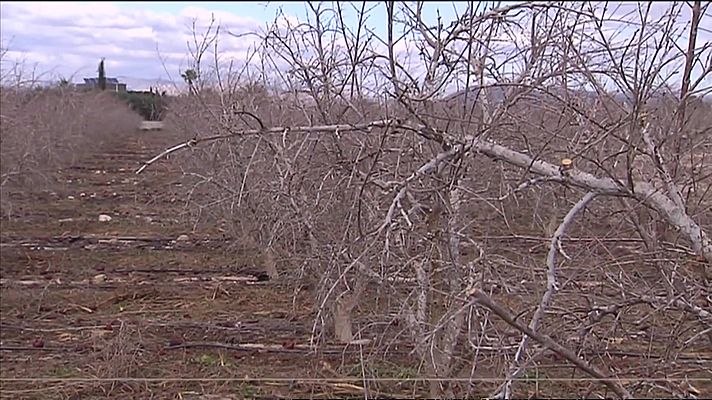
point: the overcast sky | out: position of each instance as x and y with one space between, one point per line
147 40
136 38
69 39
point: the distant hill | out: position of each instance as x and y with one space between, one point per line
497 94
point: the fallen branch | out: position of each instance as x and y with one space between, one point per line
482 298
29 348
110 282
554 248
268 348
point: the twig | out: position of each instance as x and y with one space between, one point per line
691 308
528 183
165 153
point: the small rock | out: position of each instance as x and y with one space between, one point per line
183 238
104 218
82 194
70 197
98 279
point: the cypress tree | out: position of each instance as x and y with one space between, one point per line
102 75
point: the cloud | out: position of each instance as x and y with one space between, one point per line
149 42
69 39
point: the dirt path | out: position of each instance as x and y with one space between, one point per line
86 302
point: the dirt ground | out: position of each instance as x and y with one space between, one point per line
147 305
129 308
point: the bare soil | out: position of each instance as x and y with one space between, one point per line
131 308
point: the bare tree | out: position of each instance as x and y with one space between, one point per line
534 157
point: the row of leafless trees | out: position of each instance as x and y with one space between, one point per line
519 181
48 128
